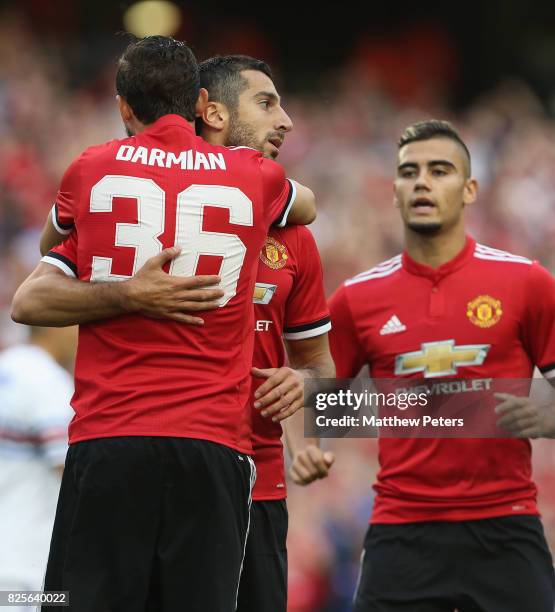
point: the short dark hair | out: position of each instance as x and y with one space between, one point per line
158 76
221 76
433 128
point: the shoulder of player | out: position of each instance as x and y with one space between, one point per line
489 254
484 253
105 149
237 158
240 153
299 242
294 235
521 269
378 274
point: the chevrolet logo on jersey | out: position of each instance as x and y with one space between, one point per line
263 293
440 358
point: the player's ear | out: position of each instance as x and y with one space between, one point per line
202 101
216 116
470 191
125 110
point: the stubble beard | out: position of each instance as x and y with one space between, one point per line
425 229
241 134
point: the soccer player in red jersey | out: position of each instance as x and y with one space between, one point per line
244 110
455 523
156 491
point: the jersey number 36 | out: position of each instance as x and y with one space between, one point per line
194 241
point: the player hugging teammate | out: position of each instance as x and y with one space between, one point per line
155 505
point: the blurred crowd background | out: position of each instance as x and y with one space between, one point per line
349 99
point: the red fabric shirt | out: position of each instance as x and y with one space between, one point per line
482 297
128 199
289 299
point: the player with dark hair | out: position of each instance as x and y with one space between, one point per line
289 300
426 130
227 79
151 82
223 76
156 492
153 86
455 523
244 109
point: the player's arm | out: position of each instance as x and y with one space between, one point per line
309 461
285 201
50 298
51 236
303 209
282 394
306 323
525 417
61 218
347 352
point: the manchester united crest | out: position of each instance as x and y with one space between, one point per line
484 311
273 254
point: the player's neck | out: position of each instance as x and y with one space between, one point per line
434 251
213 137
135 127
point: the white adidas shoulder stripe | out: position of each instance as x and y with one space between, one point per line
384 265
381 274
490 254
384 269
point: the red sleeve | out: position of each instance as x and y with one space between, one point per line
278 192
64 255
344 342
65 208
306 311
539 320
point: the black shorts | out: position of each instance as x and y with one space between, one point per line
492 565
263 586
150 524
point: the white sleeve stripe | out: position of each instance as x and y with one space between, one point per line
55 223
292 197
549 373
308 333
59 264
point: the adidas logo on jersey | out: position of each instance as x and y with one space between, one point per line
393 326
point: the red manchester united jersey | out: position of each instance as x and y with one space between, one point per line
486 313
290 303
129 199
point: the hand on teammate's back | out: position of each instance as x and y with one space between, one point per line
311 464
154 293
281 395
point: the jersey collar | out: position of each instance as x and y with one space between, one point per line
447 268
170 121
